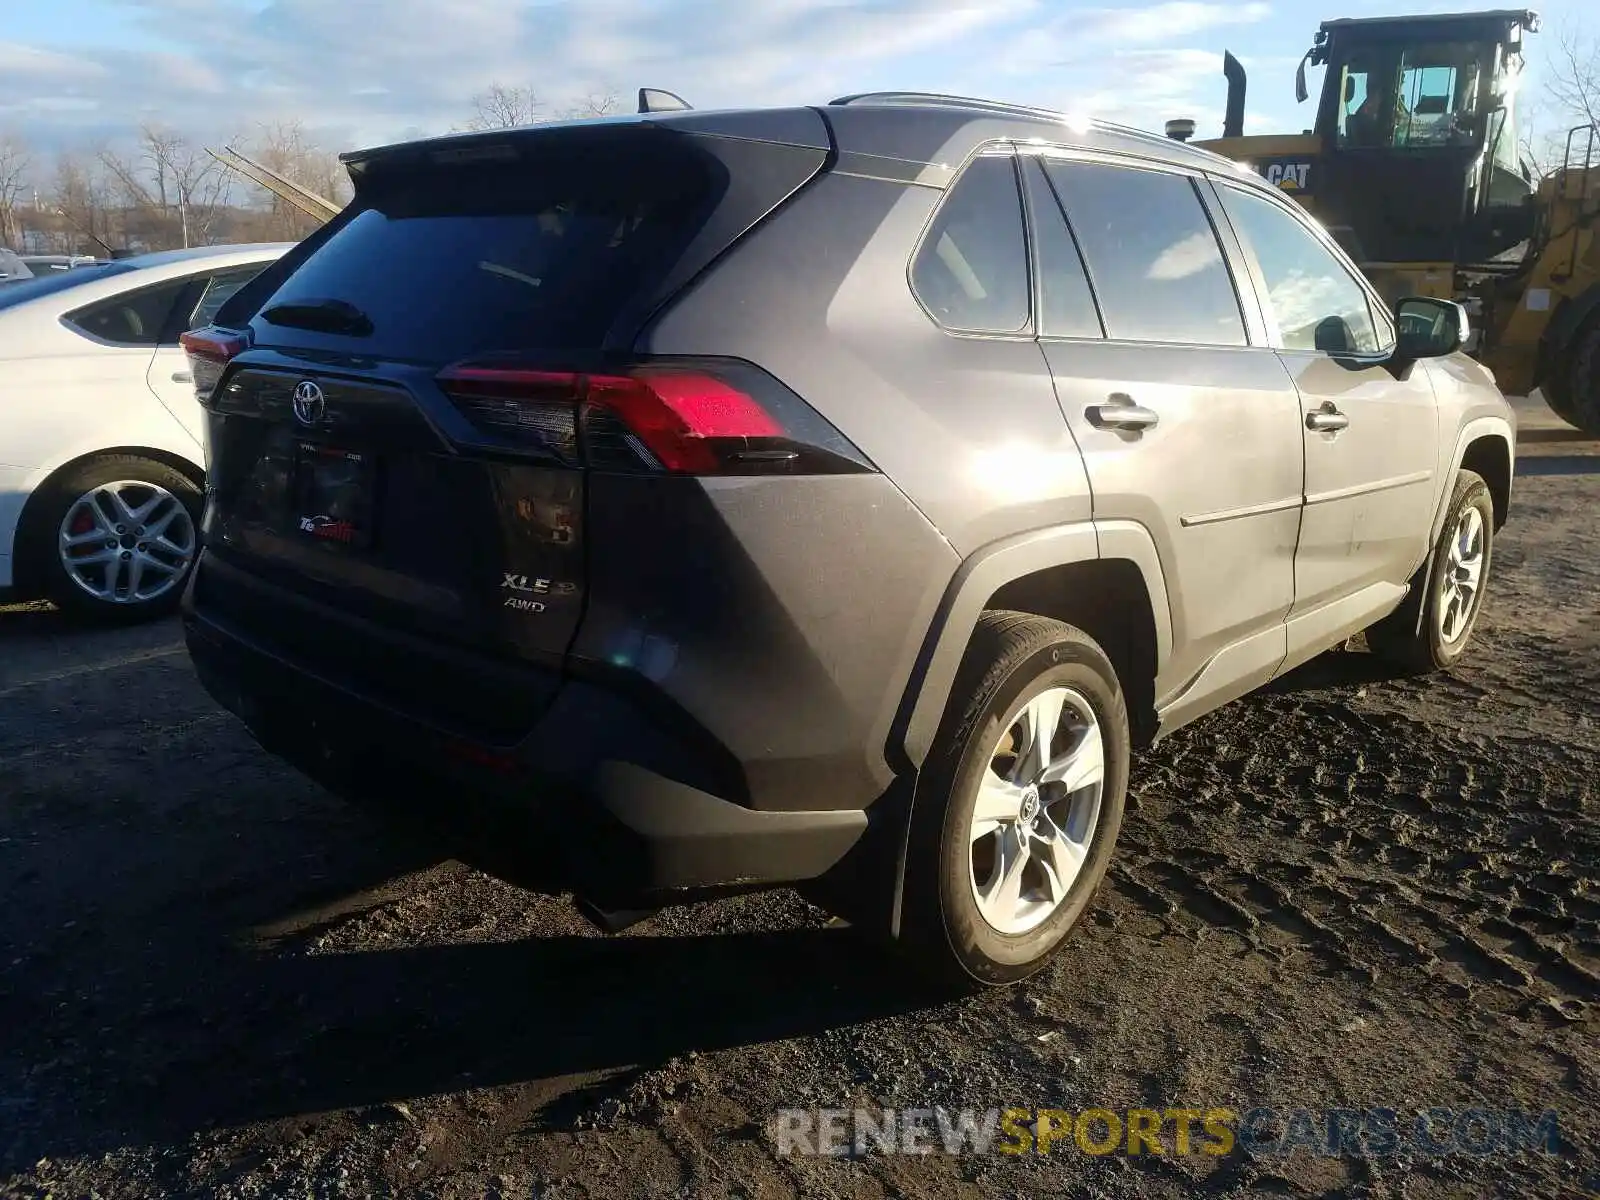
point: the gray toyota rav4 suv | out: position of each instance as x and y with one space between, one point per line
827 496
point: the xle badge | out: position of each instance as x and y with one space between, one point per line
517 588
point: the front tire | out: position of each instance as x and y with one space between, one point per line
1021 802
114 538
1575 395
1449 591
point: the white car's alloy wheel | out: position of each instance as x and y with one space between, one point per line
127 542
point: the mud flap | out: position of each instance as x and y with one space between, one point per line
1419 589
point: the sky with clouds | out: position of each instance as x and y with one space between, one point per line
365 71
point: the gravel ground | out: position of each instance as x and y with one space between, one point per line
1348 891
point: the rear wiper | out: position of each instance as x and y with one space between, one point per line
323 316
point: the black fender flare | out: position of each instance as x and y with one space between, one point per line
980 576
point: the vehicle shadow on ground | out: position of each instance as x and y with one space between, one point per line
228 1034
1527 437
1567 464
1335 669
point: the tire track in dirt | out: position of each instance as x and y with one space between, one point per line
1342 800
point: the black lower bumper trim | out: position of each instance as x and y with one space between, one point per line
625 835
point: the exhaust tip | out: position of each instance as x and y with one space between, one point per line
1181 129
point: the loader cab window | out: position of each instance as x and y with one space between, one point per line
1439 95
1510 180
1358 117
1412 96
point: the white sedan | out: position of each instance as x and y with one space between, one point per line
101 443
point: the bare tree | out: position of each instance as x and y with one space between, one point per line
289 149
16 161
187 179
173 189
1572 90
595 104
502 107
80 201
1573 83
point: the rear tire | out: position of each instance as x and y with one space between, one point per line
114 538
991 895
1462 557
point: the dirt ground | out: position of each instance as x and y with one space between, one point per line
1347 892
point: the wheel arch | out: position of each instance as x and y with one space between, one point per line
25 570
1490 456
1106 573
1486 445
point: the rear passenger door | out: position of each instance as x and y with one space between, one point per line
168 373
1188 423
1371 440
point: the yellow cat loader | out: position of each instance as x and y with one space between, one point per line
1412 163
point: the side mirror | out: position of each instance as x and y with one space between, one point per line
1427 327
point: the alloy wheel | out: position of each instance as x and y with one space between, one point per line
1037 810
127 542
1462 585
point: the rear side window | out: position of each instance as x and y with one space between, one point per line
446 262
971 271
1154 258
134 318
1067 303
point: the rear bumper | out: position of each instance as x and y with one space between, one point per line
598 781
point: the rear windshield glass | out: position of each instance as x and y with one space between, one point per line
13 294
448 262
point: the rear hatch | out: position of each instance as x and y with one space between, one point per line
398 444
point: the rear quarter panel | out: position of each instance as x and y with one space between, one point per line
967 433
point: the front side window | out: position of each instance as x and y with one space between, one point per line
1153 257
971 271
1316 302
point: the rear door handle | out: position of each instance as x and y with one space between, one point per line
182 377
1120 412
1327 419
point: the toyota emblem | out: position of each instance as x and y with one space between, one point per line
309 404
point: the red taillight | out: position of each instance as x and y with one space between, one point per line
209 351
686 419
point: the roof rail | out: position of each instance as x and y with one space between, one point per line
998 107
1003 108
